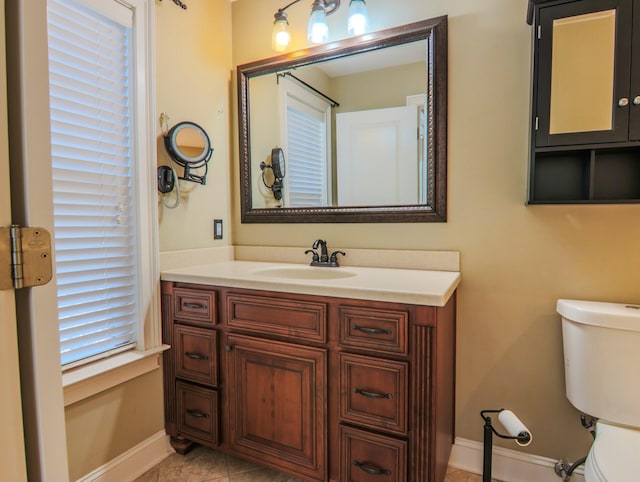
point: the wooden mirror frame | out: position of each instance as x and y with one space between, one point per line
434 31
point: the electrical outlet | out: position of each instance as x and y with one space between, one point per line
217 229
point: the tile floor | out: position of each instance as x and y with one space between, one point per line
205 465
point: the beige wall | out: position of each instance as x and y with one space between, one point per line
104 426
193 74
266 115
380 88
517 260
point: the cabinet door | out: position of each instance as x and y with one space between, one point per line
277 403
634 97
583 68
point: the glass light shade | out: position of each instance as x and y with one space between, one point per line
358 20
318 29
281 36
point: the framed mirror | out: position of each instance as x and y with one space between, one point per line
362 123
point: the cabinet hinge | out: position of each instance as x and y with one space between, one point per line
25 257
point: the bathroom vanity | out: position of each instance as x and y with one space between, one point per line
340 374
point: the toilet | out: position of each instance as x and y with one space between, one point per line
602 375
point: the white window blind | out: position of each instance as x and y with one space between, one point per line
306 165
306 127
90 64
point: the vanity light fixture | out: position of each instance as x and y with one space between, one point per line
317 28
179 4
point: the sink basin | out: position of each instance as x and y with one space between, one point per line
306 273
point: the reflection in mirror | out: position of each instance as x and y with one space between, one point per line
345 121
273 174
362 124
582 73
190 142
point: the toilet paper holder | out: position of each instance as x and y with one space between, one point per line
516 431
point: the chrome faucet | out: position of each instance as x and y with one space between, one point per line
323 259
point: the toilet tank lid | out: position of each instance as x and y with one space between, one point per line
608 315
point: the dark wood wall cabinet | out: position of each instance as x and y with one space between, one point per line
585 134
325 389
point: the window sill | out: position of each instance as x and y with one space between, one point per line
85 381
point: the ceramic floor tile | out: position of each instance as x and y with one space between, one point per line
455 475
238 466
149 476
206 465
263 475
199 465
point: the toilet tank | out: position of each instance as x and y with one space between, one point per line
602 359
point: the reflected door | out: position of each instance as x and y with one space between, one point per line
378 157
584 69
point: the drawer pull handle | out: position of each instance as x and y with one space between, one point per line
194 306
372 395
196 413
196 356
371 331
371 470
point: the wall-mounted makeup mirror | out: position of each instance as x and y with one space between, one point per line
189 146
362 123
273 173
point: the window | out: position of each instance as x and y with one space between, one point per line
98 176
307 121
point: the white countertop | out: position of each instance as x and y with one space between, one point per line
418 287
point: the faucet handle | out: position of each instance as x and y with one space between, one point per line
315 258
334 258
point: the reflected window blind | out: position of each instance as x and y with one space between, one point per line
93 177
306 178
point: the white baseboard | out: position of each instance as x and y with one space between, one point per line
134 462
507 465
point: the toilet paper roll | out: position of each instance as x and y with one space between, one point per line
515 427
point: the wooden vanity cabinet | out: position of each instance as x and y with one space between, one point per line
325 389
585 128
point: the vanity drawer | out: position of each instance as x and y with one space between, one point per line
368 457
196 354
373 392
374 329
197 413
290 318
197 307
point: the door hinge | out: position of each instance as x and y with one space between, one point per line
25 257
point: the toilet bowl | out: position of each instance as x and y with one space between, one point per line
614 455
601 344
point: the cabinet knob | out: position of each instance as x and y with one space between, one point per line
636 100
228 347
623 102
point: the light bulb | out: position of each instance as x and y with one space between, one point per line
358 21
318 29
280 37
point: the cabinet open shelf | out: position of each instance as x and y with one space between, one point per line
586 176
